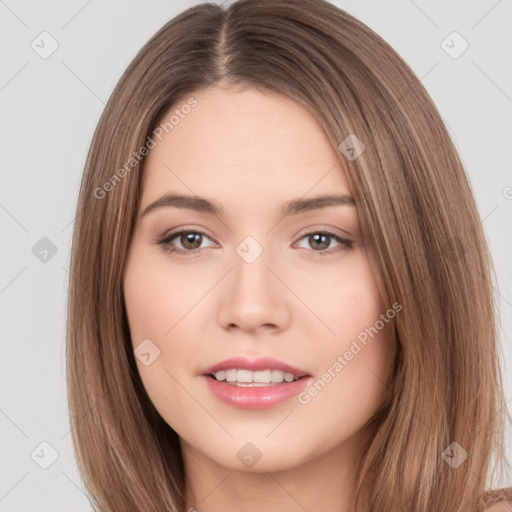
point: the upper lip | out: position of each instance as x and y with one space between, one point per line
261 363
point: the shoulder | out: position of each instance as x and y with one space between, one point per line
502 506
499 500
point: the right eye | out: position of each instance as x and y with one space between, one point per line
190 241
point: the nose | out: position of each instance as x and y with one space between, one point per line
253 299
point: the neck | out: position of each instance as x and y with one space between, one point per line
317 484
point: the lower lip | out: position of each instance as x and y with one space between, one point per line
261 397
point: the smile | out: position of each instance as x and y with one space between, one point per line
248 378
259 383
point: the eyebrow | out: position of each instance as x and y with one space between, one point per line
293 207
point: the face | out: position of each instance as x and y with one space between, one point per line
248 265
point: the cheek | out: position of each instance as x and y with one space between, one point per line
155 304
345 299
354 360
156 299
167 305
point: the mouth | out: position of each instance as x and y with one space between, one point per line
254 384
252 379
242 371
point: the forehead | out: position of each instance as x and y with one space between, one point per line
243 145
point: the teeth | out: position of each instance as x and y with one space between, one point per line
288 377
264 376
277 376
230 375
254 379
244 376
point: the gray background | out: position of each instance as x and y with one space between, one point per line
49 110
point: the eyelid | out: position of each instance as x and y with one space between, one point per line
303 232
344 243
168 233
169 236
314 228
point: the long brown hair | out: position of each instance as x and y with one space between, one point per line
418 218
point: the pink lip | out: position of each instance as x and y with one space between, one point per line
261 397
261 363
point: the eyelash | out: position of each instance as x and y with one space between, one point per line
164 243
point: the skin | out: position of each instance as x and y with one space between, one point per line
251 152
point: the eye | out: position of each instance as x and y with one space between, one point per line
191 241
320 241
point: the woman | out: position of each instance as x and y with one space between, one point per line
281 291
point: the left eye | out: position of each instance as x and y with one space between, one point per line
191 242
322 240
